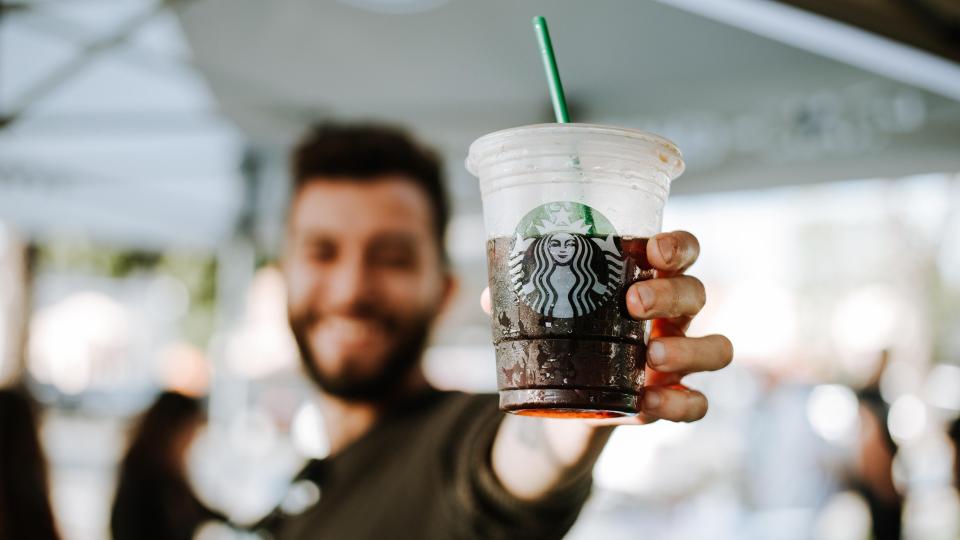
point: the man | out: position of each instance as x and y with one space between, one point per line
367 276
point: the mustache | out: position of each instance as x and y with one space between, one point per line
307 318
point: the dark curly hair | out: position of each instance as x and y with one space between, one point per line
365 152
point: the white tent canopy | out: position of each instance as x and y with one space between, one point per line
138 143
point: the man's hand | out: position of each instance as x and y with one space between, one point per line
670 300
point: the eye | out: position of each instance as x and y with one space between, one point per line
321 251
554 243
393 255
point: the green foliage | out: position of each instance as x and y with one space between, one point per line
196 270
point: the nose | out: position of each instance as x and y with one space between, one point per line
349 289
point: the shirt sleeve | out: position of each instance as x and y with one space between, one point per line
487 509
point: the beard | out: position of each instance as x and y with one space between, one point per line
410 338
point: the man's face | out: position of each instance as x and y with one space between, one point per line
365 281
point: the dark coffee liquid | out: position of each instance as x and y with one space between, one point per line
566 346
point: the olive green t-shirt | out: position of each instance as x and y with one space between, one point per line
423 472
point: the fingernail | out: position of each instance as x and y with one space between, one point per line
651 399
645 297
633 299
668 247
656 354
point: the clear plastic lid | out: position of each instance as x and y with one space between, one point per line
622 174
598 153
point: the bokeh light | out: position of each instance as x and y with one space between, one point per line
908 418
307 431
865 320
833 411
85 333
942 387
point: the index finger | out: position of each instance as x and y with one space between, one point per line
672 252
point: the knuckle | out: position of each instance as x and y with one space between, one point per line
684 355
678 352
679 404
663 293
675 308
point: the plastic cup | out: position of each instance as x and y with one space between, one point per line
568 209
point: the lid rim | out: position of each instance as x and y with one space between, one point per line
482 144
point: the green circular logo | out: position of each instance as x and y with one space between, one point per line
566 260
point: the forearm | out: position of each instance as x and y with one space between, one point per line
535 456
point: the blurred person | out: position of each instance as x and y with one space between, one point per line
954 433
873 476
367 277
790 466
790 473
25 510
154 499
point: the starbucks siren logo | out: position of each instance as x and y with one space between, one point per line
565 261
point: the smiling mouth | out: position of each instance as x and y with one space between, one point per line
349 331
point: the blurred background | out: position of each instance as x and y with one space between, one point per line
143 183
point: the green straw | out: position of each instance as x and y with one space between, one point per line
550 66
